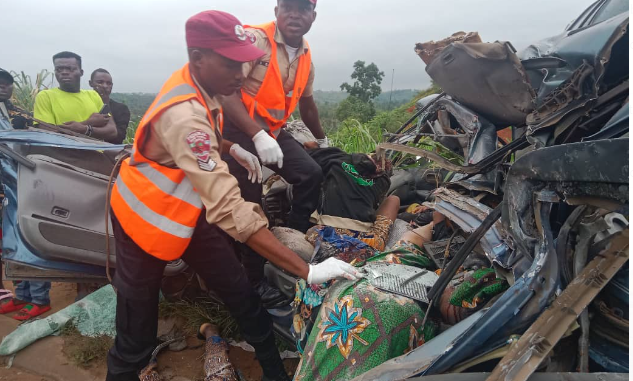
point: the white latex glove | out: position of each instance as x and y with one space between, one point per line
332 268
248 161
323 143
268 149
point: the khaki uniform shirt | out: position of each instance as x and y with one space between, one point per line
166 143
255 71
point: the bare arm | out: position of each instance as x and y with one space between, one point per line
310 116
103 127
234 110
107 132
226 146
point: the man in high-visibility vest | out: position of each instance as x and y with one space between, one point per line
175 198
275 84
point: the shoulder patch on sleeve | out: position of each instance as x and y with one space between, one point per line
251 36
200 144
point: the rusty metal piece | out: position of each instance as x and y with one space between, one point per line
430 49
442 162
526 355
467 204
587 231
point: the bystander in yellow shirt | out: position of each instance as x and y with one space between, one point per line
56 106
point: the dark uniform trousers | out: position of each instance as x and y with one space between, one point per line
138 278
299 169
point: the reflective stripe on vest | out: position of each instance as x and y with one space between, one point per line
184 89
271 106
161 222
157 206
183 191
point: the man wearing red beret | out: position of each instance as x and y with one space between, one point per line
175 198
275 84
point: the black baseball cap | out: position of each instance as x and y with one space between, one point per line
6 75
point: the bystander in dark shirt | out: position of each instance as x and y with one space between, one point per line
16 117
121 115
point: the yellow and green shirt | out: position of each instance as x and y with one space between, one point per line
56 106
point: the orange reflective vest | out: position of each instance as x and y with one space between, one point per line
271 106
156 205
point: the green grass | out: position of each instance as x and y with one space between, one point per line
200 311
131 131
195 313
353 136
84 351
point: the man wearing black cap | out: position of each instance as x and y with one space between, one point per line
275 84
175 198
11 116
6 90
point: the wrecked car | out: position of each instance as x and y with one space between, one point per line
530 270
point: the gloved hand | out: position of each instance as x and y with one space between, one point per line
268 149
248 161
332 268
323 143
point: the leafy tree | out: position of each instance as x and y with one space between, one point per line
367 80
365 88
354 108
138 103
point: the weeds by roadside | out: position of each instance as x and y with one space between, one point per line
200 311
84 351
195 313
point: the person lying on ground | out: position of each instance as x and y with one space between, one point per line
345 328
378 325
353 188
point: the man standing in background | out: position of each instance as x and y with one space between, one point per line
101 82
6 90
70 107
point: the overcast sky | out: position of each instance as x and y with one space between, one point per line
142 41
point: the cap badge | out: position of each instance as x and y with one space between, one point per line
240 33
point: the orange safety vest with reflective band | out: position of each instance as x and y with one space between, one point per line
271 106
157 206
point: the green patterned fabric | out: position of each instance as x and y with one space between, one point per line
359 327
351 170
478 287
405 253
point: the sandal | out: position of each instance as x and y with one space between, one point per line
30 311
12 306
5 294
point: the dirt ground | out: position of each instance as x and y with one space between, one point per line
20 375
173 366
